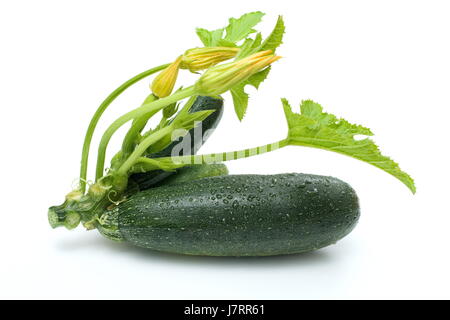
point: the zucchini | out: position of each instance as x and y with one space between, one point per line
146 180
237 215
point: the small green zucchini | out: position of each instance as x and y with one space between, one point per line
237 215
147 180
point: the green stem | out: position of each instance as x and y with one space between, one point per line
98 114
226 156
134 114
141 148
137 126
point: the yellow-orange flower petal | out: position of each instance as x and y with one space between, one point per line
163 84
203 58
221 78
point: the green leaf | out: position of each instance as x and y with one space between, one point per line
210 38
225 43
256 79
216 36
249 46
314 128
257 41
236 30
170 110
275 39
240 97
246 47
272 42
240 100
204 35
240 28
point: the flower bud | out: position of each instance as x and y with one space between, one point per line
221 78
164 82
202 58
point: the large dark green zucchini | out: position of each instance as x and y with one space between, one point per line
148 179
239 215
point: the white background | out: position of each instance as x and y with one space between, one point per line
384 64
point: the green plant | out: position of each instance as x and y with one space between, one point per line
252 58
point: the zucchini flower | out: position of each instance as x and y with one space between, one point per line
221 78
203 58
164 82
